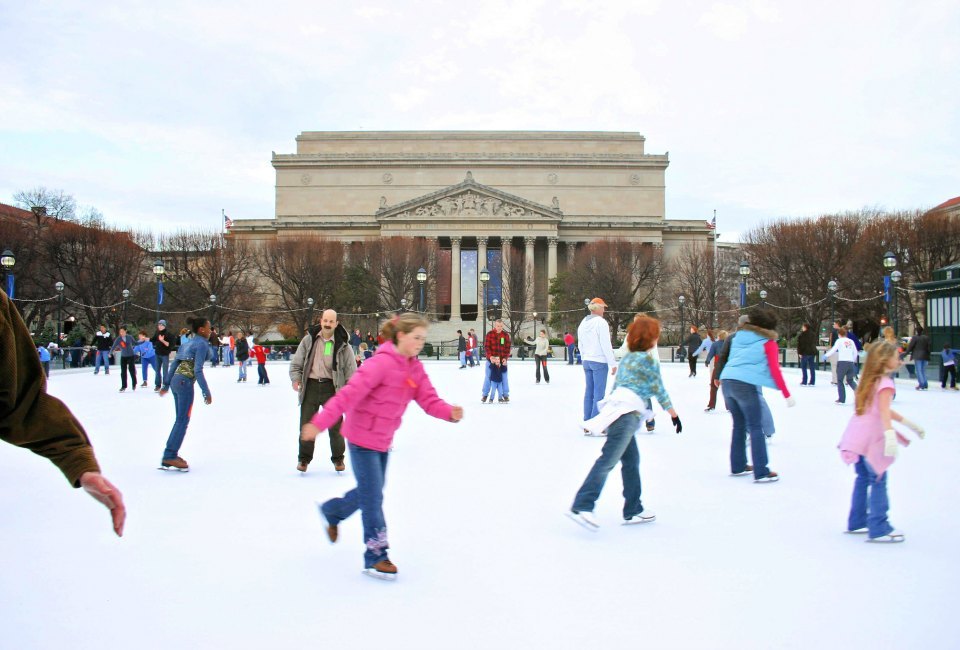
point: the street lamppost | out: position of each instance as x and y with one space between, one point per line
310 302
213 305
421 278
403 305
126 297
832 288
59 288
763 298
681 299
8 260
496 308
158 272
484 278
895 278
889 263
744 274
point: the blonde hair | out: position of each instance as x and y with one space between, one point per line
889 335
874 369
722 334
405 322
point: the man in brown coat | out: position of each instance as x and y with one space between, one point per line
32 419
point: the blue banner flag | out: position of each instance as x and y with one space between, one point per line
160 292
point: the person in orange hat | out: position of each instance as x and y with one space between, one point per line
596 351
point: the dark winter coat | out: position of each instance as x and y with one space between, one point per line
919 348
807 343
693 343
103 341
162 342
125 344
461 344
242 349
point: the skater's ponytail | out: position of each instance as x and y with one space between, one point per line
874 369
405 322
196 323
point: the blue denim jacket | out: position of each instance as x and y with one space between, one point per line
197 350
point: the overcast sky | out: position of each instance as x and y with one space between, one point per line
162 113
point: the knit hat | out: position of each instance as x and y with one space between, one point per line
744 318
162 322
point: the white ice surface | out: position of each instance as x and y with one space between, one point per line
233 554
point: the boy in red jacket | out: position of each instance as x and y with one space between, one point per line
260 353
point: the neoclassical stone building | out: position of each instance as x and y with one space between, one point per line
477 193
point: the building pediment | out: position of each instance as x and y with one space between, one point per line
469 201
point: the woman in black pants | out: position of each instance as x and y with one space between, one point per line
542 344
693 343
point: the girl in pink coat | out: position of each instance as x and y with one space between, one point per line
374 401
871 442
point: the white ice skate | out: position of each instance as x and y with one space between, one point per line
644 517
584 519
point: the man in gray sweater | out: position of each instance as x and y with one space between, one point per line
322 365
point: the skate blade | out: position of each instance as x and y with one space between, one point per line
386 577
173 469
580 522
638 520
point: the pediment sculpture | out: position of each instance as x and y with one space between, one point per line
468 204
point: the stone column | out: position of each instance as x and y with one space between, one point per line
571 251
528 273
481 264
551 267
454 278
347 244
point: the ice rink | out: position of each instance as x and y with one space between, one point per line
234 555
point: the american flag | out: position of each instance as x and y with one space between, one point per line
712 225
227 222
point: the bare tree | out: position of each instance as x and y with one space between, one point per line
57 203
627 275
389 267
207 264
300 268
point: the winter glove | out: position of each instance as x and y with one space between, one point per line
791 402
890 443
677 424
916 428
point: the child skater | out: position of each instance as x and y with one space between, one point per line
260 353
376 396
871 442
497 371
187 369
147 354
638 379
949 367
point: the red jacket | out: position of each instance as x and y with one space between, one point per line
260 353
497 344
568 339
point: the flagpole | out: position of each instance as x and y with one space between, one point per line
716 260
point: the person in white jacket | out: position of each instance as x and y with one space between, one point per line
846 352
593 337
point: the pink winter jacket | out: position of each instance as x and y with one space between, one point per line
377 395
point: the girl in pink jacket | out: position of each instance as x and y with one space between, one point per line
374 401
871 442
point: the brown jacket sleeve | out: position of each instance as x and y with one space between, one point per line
29 417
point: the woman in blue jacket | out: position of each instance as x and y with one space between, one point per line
187 369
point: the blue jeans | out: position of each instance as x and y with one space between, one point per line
619 447
182 389
743 400
229 356
262 377
504 389
370 468
808 362
161 367
104 356
921 368
145 365
496 389
596 374
869 504
243 369
846 372
570 354
463 358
